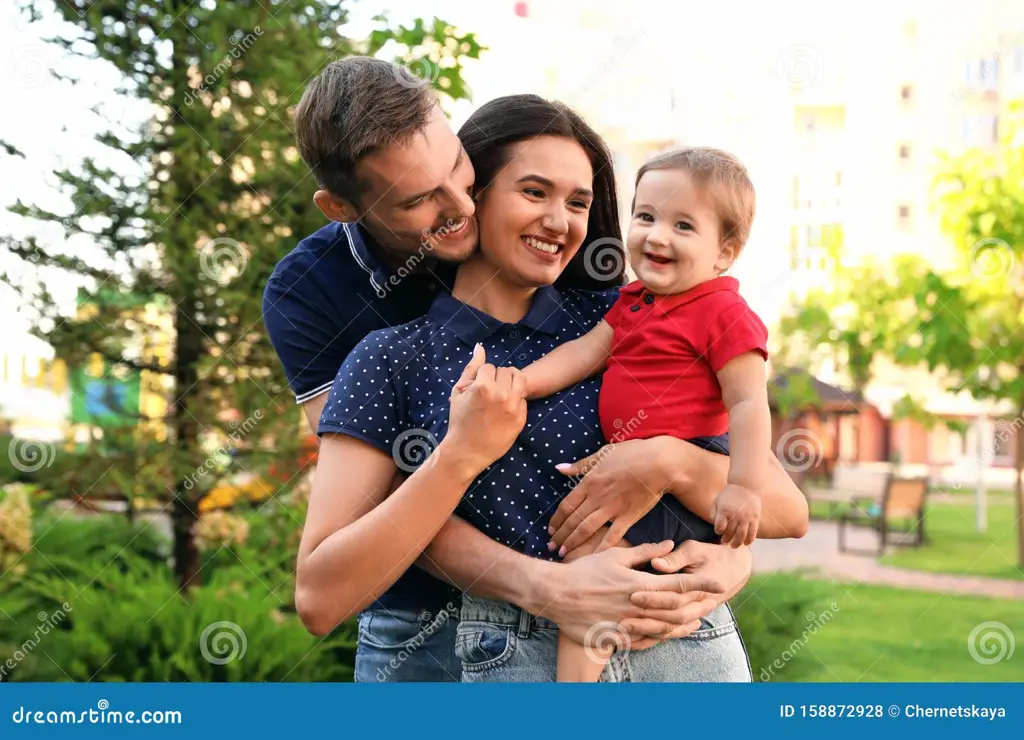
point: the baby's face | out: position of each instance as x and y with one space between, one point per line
674 238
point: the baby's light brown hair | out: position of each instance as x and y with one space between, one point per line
723 176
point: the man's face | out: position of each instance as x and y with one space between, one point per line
418 198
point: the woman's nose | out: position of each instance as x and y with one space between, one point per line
556 221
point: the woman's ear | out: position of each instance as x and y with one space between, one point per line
728 252
334 208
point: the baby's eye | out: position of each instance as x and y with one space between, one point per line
644 217
684 226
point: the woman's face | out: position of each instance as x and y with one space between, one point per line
533 216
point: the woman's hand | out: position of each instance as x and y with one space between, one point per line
620 483
488 411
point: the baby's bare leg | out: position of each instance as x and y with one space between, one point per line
578 663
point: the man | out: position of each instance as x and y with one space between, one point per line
395 183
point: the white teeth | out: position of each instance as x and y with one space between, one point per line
542 246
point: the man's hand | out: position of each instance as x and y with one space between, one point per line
657 610
621 482
603 587
735 514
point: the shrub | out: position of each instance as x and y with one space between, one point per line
135 625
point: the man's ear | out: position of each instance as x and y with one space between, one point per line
335 208
728 252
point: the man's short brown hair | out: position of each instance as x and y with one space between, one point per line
354 106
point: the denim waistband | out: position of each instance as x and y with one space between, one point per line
475 609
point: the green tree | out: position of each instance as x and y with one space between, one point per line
966 324
185 218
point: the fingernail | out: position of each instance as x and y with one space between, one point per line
551 530
561 552
551 546
563 466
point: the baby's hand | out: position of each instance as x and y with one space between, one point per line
735 513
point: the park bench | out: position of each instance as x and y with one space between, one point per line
901 499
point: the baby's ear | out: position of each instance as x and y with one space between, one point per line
728 252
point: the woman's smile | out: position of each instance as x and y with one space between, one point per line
544 249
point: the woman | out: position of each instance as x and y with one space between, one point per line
544 181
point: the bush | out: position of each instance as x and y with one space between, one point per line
134 625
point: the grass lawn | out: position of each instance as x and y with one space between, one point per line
827 631
955 546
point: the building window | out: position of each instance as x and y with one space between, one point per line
903 216
981 130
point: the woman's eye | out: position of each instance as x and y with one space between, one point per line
581 204
535 192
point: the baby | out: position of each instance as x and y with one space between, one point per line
681 350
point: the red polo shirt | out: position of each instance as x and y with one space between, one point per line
667 349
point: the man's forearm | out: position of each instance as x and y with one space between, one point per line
697 476
464 556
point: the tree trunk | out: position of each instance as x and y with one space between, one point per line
183 516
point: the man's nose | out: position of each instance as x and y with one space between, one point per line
461 203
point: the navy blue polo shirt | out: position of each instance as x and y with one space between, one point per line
321 301
393 390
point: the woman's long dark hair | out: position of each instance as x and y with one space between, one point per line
487 136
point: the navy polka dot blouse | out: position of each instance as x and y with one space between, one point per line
393 389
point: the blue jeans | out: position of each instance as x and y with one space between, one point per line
501 643
398 645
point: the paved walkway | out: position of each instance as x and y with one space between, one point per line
819 551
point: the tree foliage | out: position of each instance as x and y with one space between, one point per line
174 230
